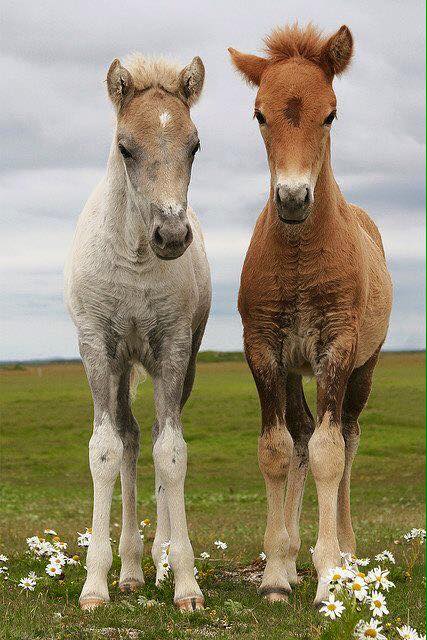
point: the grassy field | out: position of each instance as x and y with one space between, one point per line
46 426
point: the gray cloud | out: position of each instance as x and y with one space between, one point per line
56 126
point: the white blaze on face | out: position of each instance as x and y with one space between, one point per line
164 118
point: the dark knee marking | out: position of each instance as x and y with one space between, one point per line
275 448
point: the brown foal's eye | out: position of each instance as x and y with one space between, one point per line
125 153
331 117
259 116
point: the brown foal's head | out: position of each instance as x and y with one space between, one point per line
295 107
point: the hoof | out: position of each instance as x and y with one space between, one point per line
87 604
190 604
294 581
275 594
130 585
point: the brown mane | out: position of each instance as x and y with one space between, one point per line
292 41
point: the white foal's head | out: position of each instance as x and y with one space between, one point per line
156 141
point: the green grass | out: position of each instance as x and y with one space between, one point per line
46 426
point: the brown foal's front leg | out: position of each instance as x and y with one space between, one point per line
275 447
327 459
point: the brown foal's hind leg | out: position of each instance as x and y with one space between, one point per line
301 425
356 396
274 453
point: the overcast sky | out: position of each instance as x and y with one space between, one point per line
56 127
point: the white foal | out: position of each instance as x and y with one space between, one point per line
138 290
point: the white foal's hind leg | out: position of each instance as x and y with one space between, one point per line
130 546
170 459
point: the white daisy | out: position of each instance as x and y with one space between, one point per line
416 533
221 545
362 562
205 555
378 578
332 608
369 629
60 545
262 555
50 532
385 556
58 559
3 558
44 548
27 584
407 632
53 570
32 575
145 523
4 570
83 539
378 604
196 571
338 575
357 587
33 542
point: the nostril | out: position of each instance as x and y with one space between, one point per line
157 237
188 235
307 196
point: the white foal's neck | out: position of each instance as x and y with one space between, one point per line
125 215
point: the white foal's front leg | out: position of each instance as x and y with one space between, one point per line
170 460
130 546
105 457
163 528
170 455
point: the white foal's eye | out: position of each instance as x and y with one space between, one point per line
125 152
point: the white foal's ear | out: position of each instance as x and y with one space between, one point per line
120 84
337 52
191 81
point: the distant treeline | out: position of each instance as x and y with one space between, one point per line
204 356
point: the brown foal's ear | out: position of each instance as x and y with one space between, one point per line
119 83
191 80
251 67
337 51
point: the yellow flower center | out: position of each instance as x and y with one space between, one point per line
356 586
370 633
331 606
377 603
361 575
336 576
56 538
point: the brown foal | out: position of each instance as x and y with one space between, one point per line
315 298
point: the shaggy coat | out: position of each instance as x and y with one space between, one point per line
138 289
315 298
